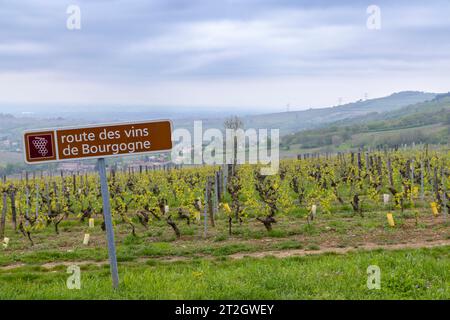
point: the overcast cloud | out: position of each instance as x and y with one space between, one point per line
250 54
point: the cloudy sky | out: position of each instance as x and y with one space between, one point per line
236 54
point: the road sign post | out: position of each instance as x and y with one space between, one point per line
99 142
108 222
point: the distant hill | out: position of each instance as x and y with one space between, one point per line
11 127
295 121
427 122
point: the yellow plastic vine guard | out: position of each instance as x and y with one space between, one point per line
390 219
91 223
226 207
434 209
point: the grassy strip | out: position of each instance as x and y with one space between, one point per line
406 274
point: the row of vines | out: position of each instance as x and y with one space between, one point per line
352 183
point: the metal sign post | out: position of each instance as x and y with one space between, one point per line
108 223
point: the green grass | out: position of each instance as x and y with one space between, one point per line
155 265
405 274
313 247
289 244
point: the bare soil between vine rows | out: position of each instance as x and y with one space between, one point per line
291 237
259 254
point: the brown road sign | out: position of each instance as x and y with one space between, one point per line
100 141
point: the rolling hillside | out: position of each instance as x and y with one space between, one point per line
313 118
294 121
426 122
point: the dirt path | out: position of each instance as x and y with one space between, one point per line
259 254
366 247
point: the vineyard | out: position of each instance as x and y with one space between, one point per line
187 220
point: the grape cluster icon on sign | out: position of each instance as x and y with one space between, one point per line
41 145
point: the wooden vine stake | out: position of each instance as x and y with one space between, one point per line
422 193
205 213
210 202
4 209
444 192
12 196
